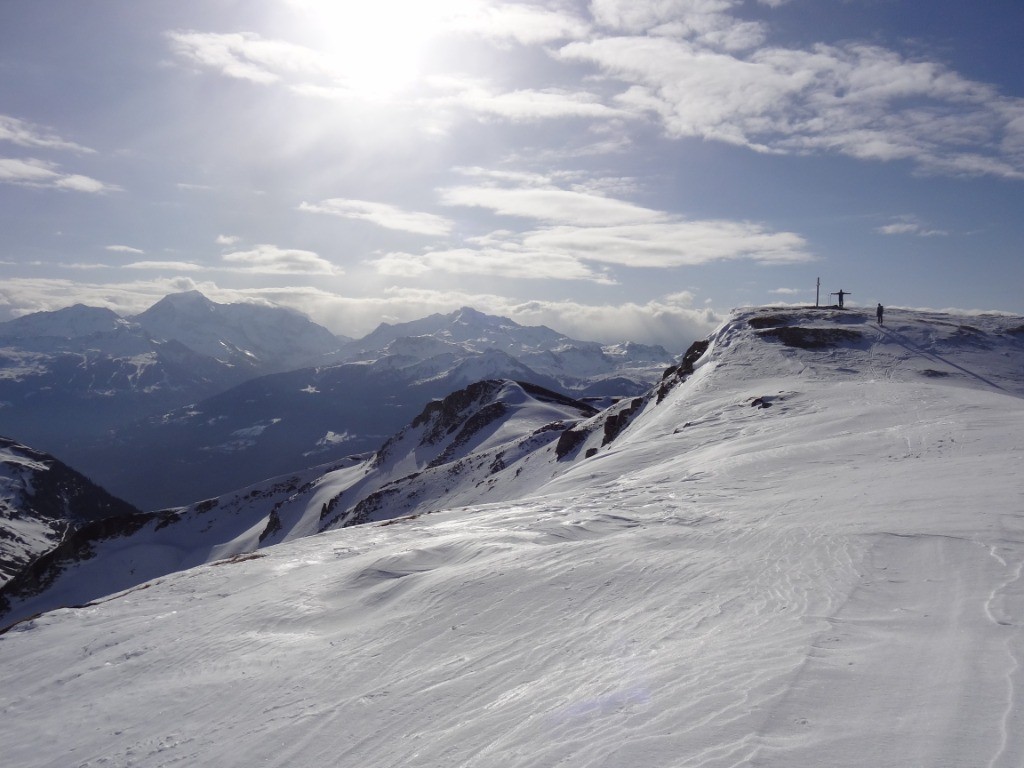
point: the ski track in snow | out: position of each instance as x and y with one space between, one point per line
835 580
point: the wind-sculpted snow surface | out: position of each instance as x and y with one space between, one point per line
471 445
795 556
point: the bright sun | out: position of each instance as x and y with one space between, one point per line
378 47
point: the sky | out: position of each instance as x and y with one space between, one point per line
615 169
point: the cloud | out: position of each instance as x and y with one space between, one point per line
167 266
26 134
706 21
693 67
856 99
511 260
227 239
124 249
521 105
79 183
550 204
671 321
383 215
910 225
524 24
248 56
675 243
30 172
263 259
580 225
269 259
576 233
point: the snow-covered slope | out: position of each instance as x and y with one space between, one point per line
450 453
808 551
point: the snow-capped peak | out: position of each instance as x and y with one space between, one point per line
68 323
267 338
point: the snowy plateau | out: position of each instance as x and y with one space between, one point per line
804 546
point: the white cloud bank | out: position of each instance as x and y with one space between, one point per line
703 73
26 134
693 66
270 259
383 215
33 172
30 172
578 233
908 224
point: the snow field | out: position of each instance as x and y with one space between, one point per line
832 580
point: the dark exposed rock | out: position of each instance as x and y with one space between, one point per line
444 416
618 421
678 373
811 338
569 441
479 420
273 526
767 321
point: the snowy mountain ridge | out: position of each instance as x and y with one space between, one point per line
43 506
68 323
803 547
574 364
186 383
267 339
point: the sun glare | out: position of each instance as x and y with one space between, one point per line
378 47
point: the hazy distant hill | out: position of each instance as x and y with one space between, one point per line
626 368
68 378
256 338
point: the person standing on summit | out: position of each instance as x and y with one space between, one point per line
878 313
841 293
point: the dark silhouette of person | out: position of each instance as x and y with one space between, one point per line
878 313
840 294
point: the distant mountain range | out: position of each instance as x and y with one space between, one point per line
191 398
